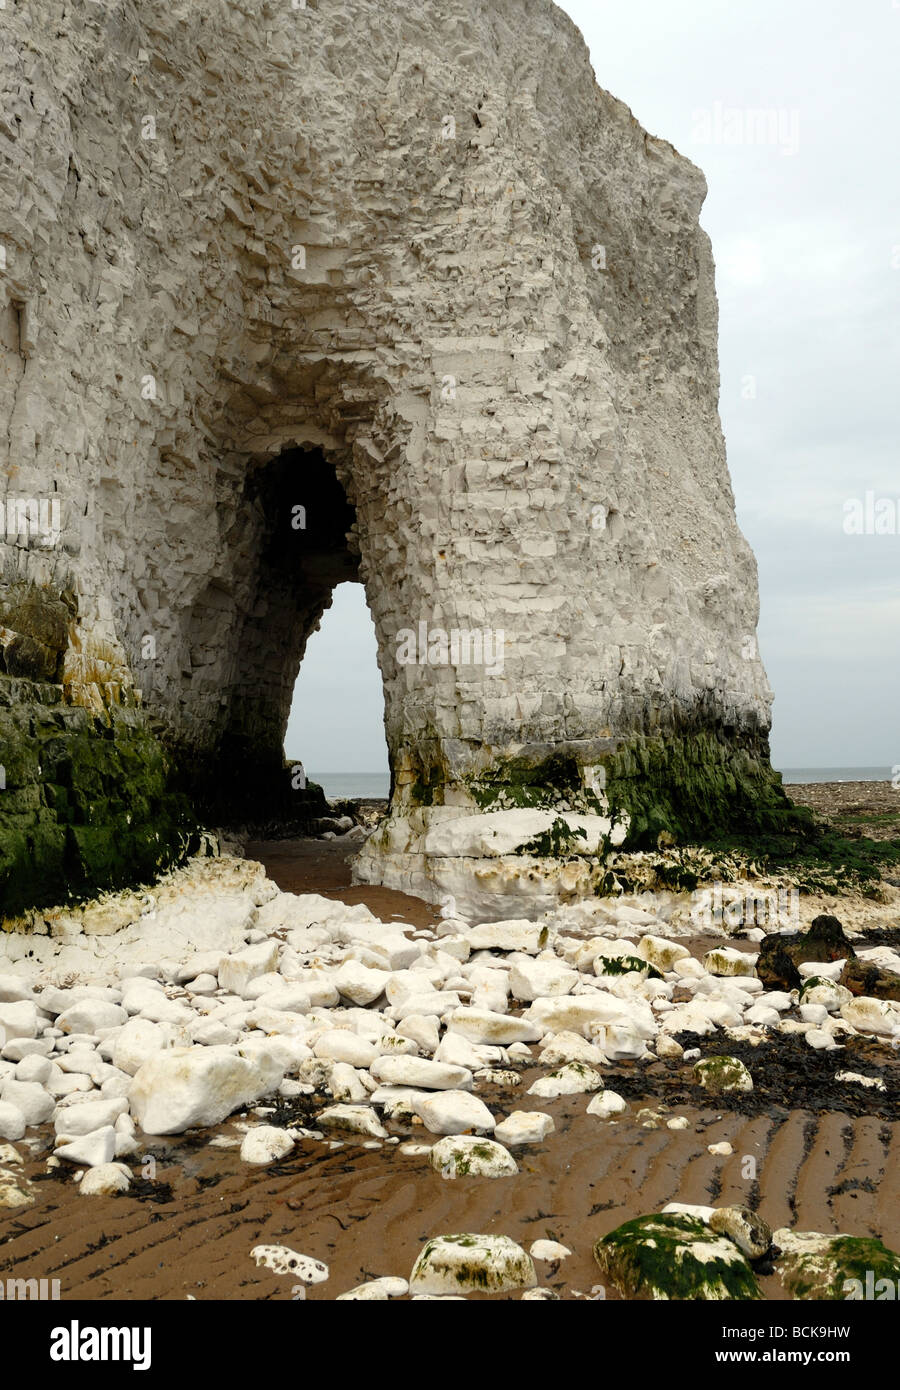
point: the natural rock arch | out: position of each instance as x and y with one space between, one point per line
416 245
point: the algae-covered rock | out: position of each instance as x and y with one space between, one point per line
868 978
466 1263
746 1228
721 1074
727 961
464 1156
673 1257
815 1266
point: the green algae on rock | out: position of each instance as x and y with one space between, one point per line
816 1266
720 1074
469 1263
674 1257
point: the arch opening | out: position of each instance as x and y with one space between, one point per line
291 543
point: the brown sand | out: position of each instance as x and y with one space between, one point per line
825 1157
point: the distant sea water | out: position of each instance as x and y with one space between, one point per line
799 775
338 785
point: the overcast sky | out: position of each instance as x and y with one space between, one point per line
806 236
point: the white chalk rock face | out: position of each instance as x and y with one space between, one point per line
265 1144
184 1087
464 1156
524 1127
452 1112
421 1073
460 1264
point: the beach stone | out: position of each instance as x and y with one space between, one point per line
570 1080
282 1260
15 989
238 970
573 1014
184 1087
460 1264
105 1180
661 952
566 1046
538 979
724 960
606 1104
34 1067
136 1041
674 1256
745 1227
356 1119
421 1073
265 1144
90 1150
358 983
30 1098
12 1121
524 1127
871 1016
453 1112
19 1020
15 1190
827 993
376 1291
722 1074
421 1030
73 1121
91 1015
775 964
347 1084
340 1045
667 1049
515 934
463 1156
866 977
811 1265
486 1026
549 1251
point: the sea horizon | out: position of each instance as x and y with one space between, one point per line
376 785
